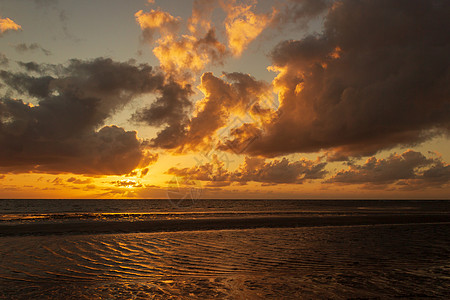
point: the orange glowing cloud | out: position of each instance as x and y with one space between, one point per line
242 25
8 24
238 94
186 54
181 56
157 20
200 21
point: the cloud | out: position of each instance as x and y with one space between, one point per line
64 132
299 12
4 61
144 172
242 25
157 21
105 85
375 78
127 183
182 56
22 47
33 67
57 181
308 8
7 25
280 171
169 110
254 170
221 100
409 170
79 181
237 94
200 20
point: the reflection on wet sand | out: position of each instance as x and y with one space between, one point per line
326 262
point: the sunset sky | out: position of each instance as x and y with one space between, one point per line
224 99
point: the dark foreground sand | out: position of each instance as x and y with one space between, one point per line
405 261
215 224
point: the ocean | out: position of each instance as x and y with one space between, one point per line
224 249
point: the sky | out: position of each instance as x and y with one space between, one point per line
225 99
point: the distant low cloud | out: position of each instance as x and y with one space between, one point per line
57 181
254 170
79 181
22 47
7 24
375 78
409 170
127 183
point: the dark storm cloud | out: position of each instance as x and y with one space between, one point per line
409 170
22 47
30 66
254 170
308 8
299 12
60 133
172 109
42 69
22 83
378 76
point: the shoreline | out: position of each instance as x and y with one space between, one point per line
171 225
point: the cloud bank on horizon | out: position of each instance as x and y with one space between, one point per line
375 78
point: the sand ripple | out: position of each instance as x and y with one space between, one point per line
382 261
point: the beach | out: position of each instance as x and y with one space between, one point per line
321 251
170 225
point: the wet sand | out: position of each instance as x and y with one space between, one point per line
408 261
246 249
98 227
